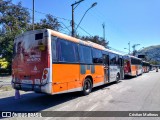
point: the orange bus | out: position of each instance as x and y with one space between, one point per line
51 62
132 66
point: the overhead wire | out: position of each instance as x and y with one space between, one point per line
76 25
62 22
65 27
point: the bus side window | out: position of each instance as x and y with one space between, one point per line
107 56
113 60
117 60
68 51
85 54
105 59
97 56
54 50
121 61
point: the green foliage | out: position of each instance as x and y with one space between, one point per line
14 20
3 63
14 17
49 22
154 62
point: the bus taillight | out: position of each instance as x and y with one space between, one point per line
45 71
44 76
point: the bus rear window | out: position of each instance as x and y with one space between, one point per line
39 36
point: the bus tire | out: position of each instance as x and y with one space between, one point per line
87 86
117 77
136 73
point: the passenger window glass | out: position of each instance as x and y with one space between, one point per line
97 56
106 53
85 54
113 59
54 51
67 51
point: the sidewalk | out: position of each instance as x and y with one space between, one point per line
5 83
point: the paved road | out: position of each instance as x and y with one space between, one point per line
135 94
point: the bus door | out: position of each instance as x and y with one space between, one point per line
121 65
106 68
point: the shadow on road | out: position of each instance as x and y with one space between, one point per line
129 77
106 86
34 102
38 102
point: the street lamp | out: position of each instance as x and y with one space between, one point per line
134 49
77 3
93 5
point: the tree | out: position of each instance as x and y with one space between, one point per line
13 20
154 62
3 63
49 22
13 17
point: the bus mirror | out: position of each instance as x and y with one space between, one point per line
104 59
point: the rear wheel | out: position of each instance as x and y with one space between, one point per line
87 87
136 73
117 77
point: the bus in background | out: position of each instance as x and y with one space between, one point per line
51 62
132 66
145 66
150 67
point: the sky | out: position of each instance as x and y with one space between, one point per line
137 21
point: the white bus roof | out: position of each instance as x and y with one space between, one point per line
88 43
133 57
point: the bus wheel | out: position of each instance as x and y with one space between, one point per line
87 87
136 73
117 77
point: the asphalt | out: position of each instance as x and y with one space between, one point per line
140 93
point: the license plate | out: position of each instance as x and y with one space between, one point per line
27 81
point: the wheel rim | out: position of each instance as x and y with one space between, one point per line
87 86
117 77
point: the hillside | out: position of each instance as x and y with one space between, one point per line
152 53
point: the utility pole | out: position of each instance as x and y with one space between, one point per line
129 47
73 31
72 21
103 26
33 16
